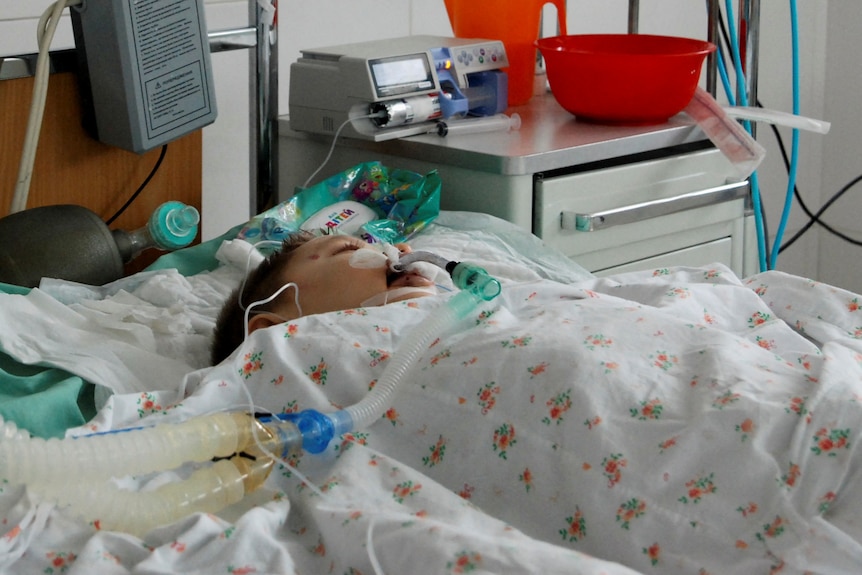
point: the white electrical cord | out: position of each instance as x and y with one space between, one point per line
44 35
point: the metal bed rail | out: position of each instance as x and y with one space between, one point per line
261 38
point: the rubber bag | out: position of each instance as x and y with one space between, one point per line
404 201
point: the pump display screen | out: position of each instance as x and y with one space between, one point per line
401 75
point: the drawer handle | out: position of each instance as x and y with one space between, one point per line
652 209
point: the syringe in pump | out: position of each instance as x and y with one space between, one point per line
393 113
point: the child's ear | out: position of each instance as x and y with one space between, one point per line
263 320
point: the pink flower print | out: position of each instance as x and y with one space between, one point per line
465 562
766 344
12 533
576 527
760 290
319 549
612 468
679 293
557 407
484 317
537 369
610 366
438 450
178 546
758 318
649 410
593 341
853 305
789 478
245 570
749 509
829 441
746 428
711 274
725 399
661 272
593 423
708 318
653 552
291 330
522 341
404 490
629 511
60 561
378 356
440 356
664 360
504 437
825 502
772 530
391 415
698 488
488 396
318 373
797 406
667 444
467 491
252 362
527 479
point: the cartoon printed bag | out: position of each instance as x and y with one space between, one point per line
394 204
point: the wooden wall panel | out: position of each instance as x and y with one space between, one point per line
71 167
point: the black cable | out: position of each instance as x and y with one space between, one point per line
140 189
813 218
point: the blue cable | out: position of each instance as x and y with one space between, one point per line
743 97
794 154
725 80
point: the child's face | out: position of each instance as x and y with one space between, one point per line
327 281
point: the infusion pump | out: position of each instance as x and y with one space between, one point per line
386 89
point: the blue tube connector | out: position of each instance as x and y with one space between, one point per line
318 429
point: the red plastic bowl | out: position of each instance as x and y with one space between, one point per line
623 78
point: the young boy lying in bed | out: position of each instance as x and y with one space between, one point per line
673 424
325 281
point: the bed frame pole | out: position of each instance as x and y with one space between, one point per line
261 39
264 96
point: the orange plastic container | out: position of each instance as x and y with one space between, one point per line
623 78
516 23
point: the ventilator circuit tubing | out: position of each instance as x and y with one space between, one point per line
78 472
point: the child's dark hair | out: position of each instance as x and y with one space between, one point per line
260 283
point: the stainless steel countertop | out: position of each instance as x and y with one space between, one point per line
549 138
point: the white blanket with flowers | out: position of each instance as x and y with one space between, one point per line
671 421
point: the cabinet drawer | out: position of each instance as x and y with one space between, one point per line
615 216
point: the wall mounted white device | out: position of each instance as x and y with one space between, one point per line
403 84
146 77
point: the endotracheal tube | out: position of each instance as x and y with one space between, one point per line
244 448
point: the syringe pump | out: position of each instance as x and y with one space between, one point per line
386 89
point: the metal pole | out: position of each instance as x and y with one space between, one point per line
749 31
634 16
263 64
712 32
749 47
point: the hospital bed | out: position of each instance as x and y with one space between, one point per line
680 419
673 420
